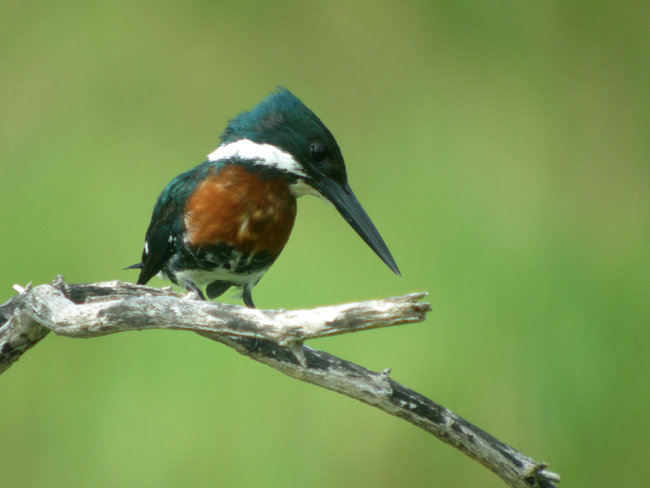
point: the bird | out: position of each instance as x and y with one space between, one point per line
224 222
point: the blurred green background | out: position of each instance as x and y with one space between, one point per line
502 150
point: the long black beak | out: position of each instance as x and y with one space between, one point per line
349 207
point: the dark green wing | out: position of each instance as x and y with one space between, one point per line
165 230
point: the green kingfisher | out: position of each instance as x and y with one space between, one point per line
224 222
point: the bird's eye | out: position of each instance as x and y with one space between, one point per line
317 151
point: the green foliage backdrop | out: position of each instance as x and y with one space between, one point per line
502 150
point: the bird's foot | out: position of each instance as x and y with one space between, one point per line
193 293
246 295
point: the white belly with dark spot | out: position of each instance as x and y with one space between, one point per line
202 277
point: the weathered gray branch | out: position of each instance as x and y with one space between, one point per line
272 337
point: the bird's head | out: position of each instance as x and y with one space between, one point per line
282 135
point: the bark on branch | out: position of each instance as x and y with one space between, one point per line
272 337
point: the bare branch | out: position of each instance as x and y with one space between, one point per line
272 337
